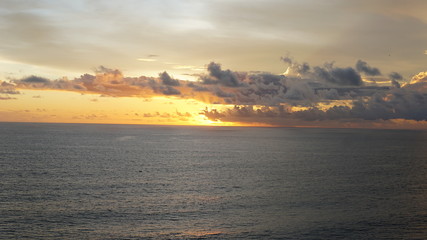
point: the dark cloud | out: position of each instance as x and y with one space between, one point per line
219 86
220 93
218 76
287 60
396 104
263 97
170 91
213 114
35 79
363 67
367 103
301 69
167 80
197 87
300 91
266 79
329 94
339 76
394 78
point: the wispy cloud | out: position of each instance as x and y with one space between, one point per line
147 59
6 98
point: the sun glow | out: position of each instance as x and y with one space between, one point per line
204 121
72 107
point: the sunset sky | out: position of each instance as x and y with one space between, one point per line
313 63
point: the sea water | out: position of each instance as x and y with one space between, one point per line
85 181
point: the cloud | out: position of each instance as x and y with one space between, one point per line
287 60
339 76
349 103
395 78
7 89
419 78
167 80
197 87
178 115
306 88
363 67
35 79
147 59
168 90
258 28
296 67
395 104
418 83
6 98
222 77
305 93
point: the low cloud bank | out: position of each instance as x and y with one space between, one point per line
302 93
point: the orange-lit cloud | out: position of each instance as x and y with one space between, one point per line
306 95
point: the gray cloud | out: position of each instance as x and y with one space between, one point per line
168 90
262 96
303 68
257 88
287 60
197 87
363 67
223 77
394 78
396 104
339 76
6 98
220 93
7 89
167 80
34 79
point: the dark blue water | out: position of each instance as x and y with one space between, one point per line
65 181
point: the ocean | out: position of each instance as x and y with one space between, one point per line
88 181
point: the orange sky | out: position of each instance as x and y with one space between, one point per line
72 107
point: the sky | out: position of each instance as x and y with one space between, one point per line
305 63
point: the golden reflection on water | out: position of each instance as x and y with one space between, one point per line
200 233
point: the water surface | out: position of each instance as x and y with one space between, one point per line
82 181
